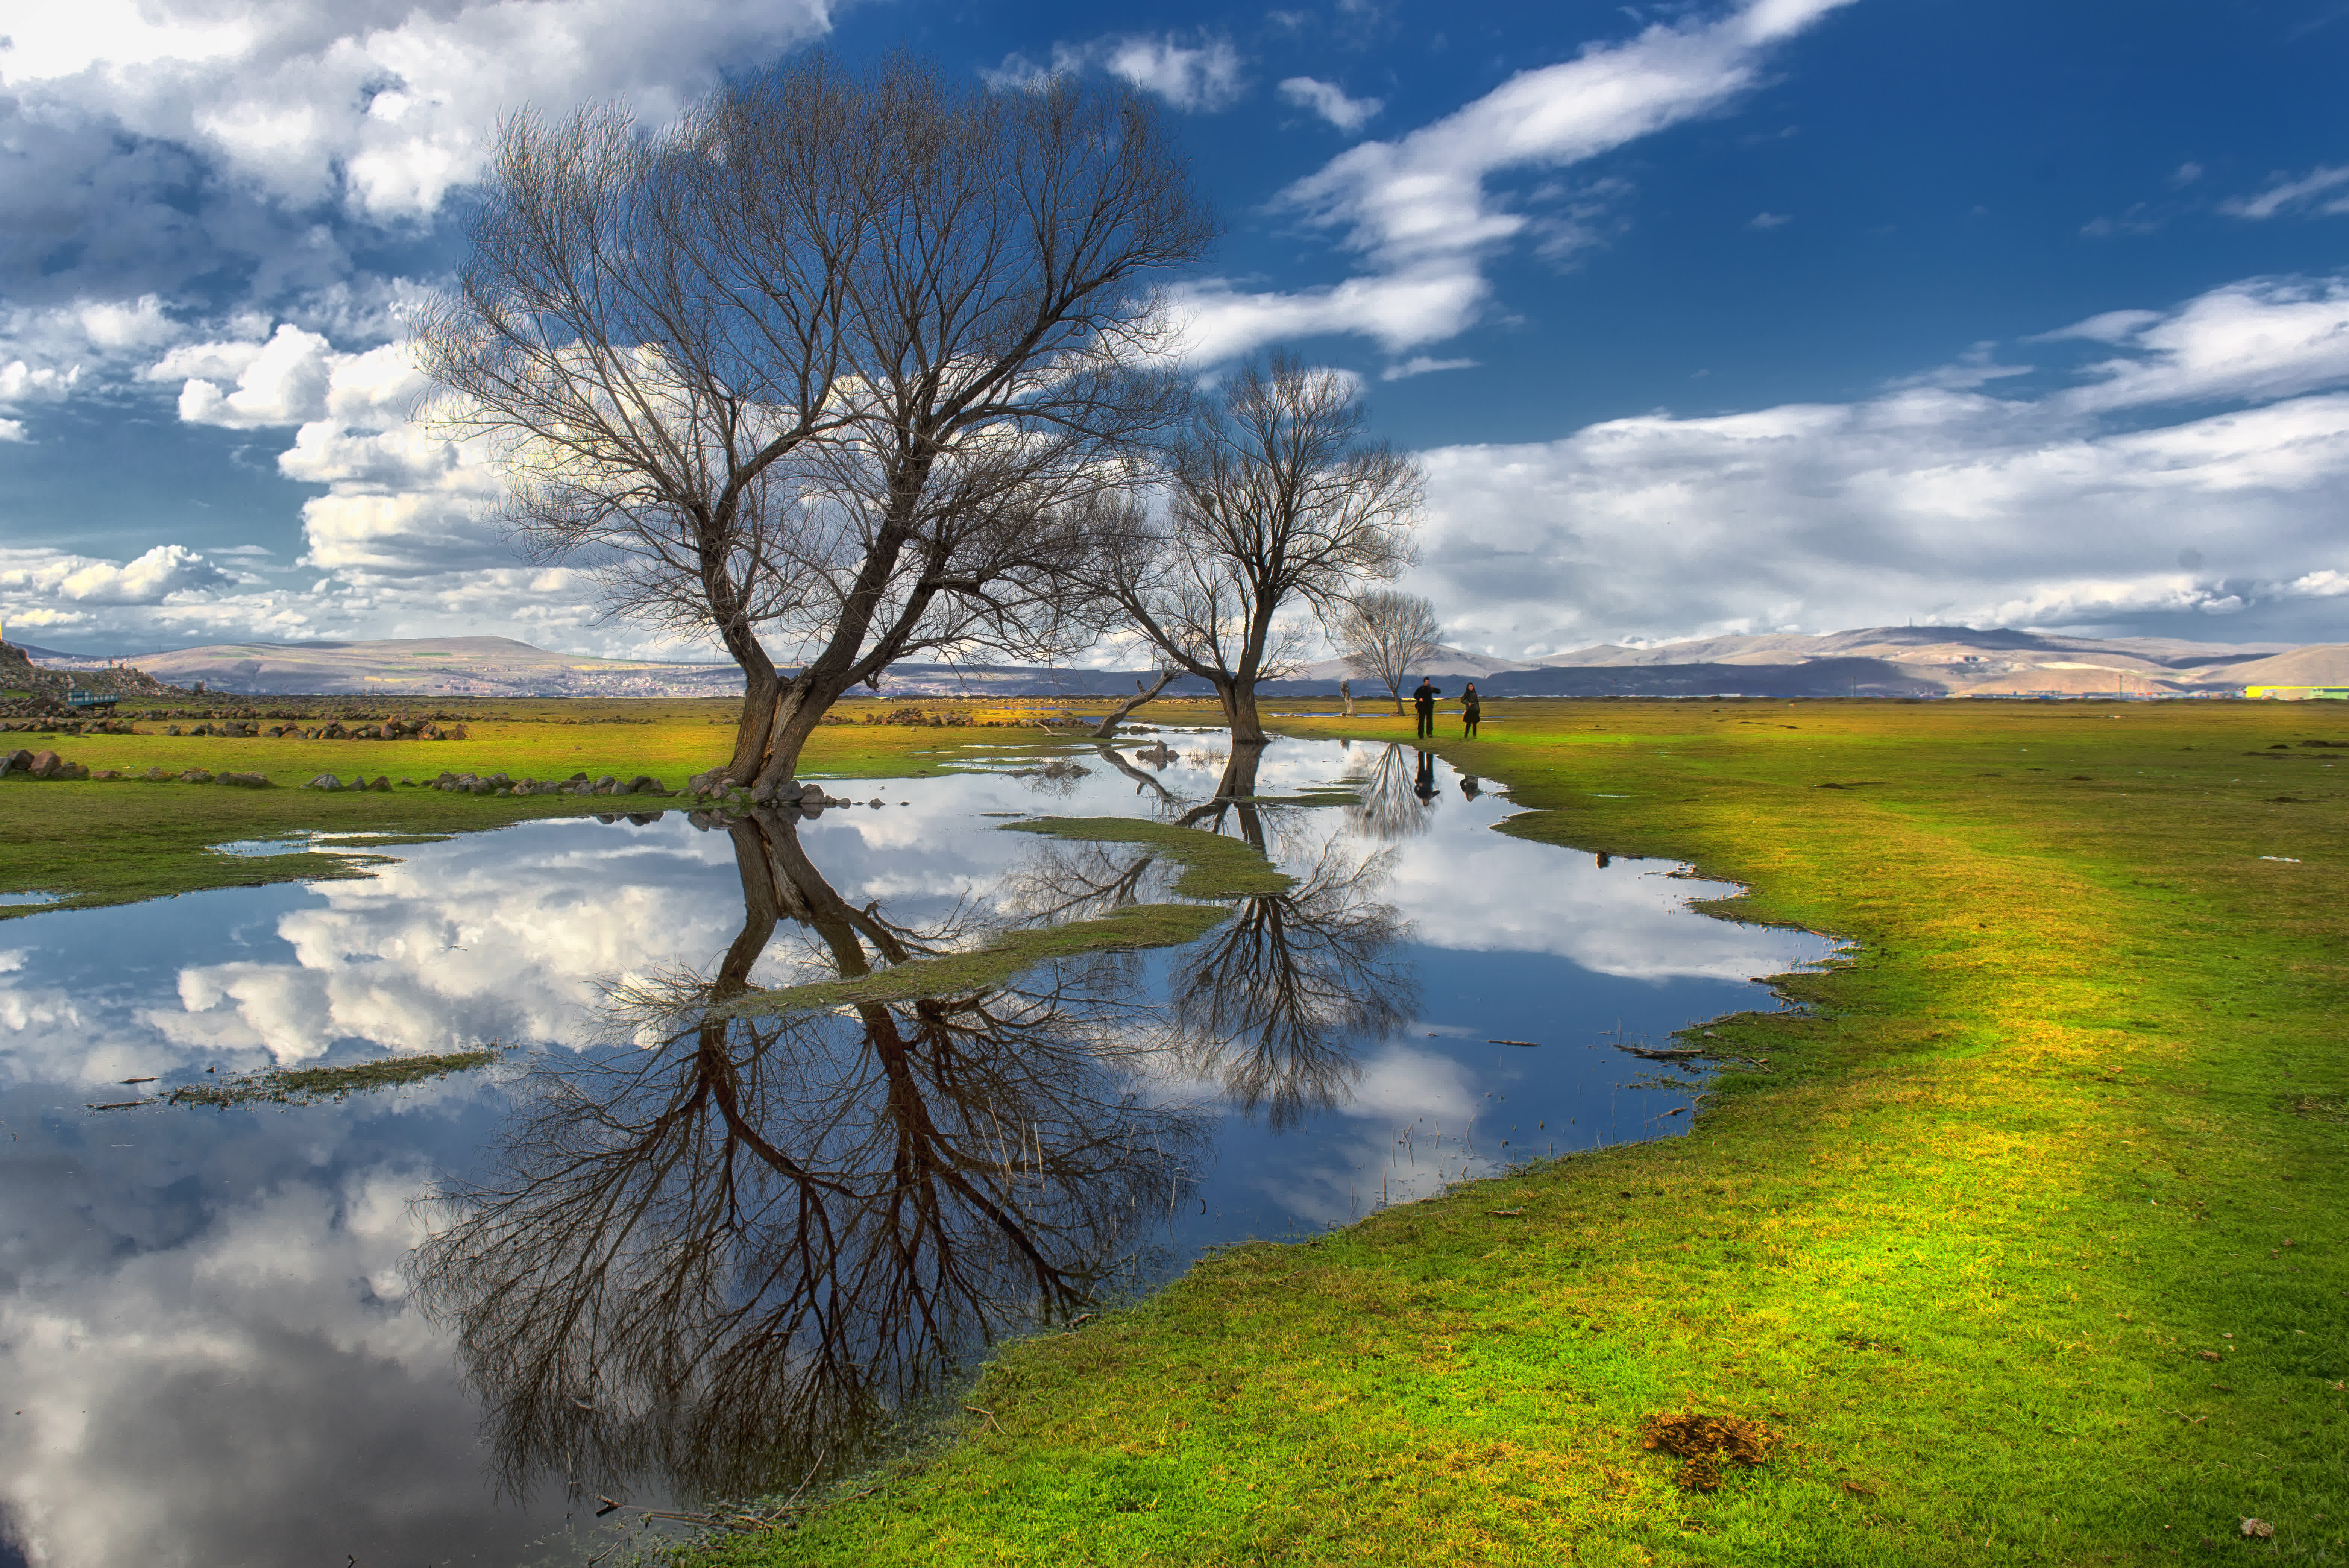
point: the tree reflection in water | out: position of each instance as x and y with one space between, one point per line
732 1257
1273 1004
1394 803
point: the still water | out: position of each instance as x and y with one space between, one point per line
663 1252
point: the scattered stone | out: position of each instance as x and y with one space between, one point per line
323 781
2258 1530
156 776
196 775
244 781
16 761
45 764
382 786
106 773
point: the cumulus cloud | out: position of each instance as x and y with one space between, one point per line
1420 211
164 572
1330 101
375 103
2323 192
1934 499
1421 364
1201 76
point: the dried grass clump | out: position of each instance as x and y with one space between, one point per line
1705 1442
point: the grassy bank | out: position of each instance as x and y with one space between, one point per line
112 842
2027 1245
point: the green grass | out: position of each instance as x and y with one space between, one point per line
2033 1153
1213 867
309 1086
1135 927
95 842
2028 1242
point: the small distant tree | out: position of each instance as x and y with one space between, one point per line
1386 634
828 370
1277 508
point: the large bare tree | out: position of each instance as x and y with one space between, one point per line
1278 508
828 370
1386 634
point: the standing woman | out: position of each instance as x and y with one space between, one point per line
1471 710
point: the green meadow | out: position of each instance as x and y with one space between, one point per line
2020 1241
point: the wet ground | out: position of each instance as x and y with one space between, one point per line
668 1248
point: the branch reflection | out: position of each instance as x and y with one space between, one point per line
733 1256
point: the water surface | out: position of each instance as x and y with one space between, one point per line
663 1252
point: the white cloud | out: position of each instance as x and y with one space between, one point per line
164 572
1202 76
1934 499
1418 207
2261 339
1421 364
381 103
13 431
48 354
1330 101
2314 192
1768 220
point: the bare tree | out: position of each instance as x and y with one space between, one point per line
1387 633
833 365
1107 729
1277 503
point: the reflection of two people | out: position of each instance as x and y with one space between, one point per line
733 1255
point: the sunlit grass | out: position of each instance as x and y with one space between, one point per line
2032 1158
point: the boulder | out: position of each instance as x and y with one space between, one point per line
106 773
607 785
382 785
644 784
156 776
196 775
72 771
16 761
244 781
703 784
323 781
45 764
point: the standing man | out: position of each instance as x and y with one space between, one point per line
1424 698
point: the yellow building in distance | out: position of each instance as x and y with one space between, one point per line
2299 693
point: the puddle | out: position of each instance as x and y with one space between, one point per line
666 1250
16 901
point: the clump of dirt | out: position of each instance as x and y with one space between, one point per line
1705 1443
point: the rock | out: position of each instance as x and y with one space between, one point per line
813 792
607 785
481 787
72 771
196 775
106 773
155 776
45 764
323 781
244 781
643 783
382 786
877 804
16 761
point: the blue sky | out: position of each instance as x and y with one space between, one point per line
1789 315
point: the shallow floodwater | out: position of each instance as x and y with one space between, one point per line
668 1250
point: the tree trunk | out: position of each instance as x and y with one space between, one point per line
800 706
1108 728
1238 694
761 686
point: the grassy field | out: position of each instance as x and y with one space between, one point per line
107 842
2026 1246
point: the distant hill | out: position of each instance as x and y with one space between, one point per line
1877 661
